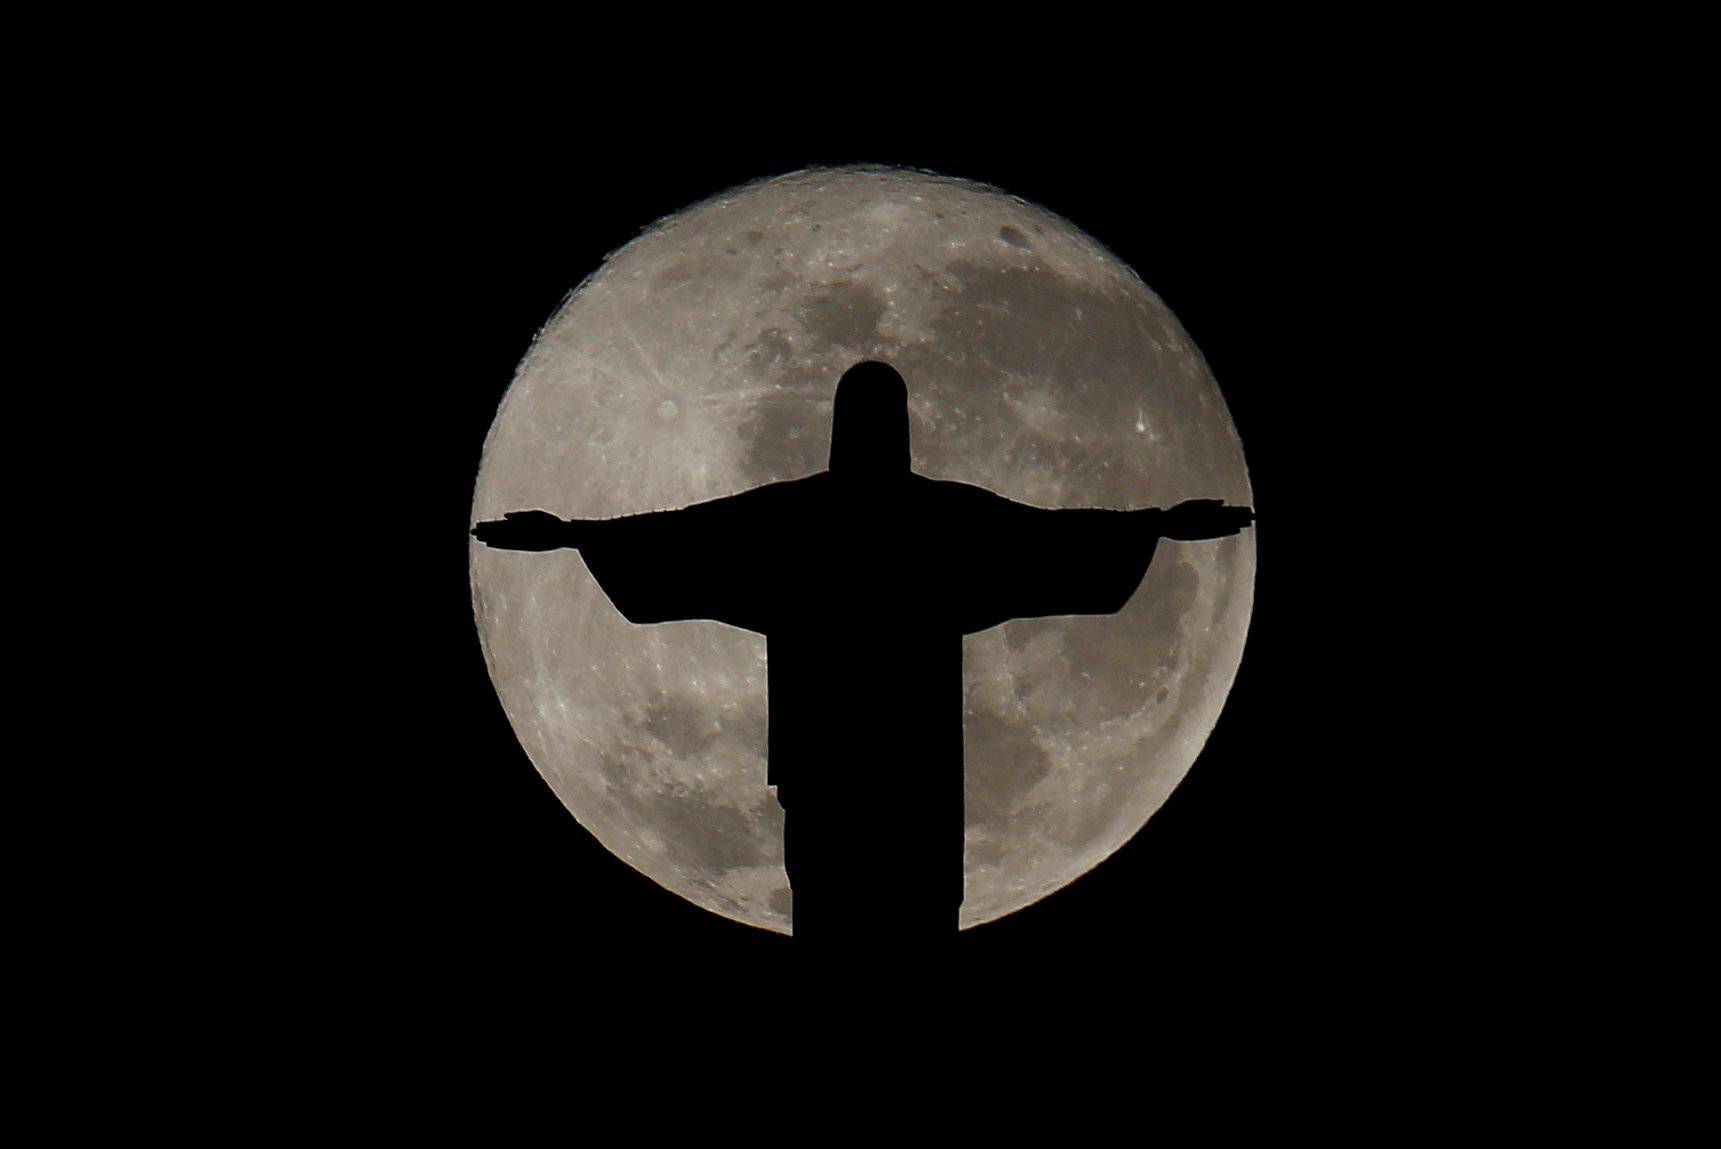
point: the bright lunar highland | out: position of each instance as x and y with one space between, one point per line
701 360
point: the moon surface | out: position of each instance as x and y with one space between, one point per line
701 360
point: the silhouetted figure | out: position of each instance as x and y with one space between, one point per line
863 580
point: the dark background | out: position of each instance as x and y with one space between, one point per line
1294 857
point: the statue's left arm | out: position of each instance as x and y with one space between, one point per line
1196 519
1040 562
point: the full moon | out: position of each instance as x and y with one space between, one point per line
701 359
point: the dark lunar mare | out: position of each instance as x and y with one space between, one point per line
863 579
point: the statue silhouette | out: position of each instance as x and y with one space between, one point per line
863 579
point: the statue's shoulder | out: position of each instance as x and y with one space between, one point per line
782 492
956 494
792 490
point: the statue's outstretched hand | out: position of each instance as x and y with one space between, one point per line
524 531
1202 519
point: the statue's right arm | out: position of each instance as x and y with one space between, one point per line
529 531
642 561
726 521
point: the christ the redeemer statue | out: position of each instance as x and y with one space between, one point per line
863 579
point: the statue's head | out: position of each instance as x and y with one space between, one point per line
869 426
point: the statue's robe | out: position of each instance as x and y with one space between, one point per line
863 590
